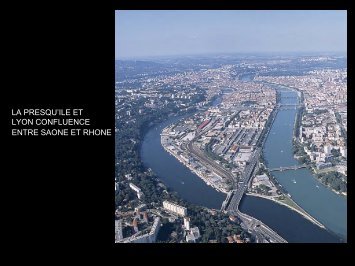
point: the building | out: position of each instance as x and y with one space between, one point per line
135 225
193 235
233 218
174 208
187 223
205 123
134 187
146 238
190 238
323 165
145 217
237 239
260 178
128 176
118 230
137 190
343 152
230 239
195 231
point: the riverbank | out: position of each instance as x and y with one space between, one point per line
315 172
343 194
299 210
194 171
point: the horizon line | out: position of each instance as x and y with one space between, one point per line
232 53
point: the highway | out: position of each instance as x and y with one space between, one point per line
261 231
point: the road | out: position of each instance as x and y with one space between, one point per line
261 231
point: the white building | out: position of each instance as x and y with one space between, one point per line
134 187
193 235
174 208
137 190
187 223
343 152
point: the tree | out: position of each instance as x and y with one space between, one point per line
335 153
303 159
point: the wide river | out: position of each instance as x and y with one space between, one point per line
323 204
320 202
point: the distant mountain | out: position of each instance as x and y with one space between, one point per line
296 65
137 64
132 69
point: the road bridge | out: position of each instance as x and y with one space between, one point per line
256 227
285 168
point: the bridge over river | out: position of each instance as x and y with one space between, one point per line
285 168
231 205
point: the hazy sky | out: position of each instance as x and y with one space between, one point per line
155 33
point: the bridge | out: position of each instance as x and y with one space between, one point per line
289 97
289 106
285 168
231 205
261 231
280 105
226 201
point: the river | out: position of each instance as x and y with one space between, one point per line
173 173
323 204
289 224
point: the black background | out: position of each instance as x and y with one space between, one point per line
58 192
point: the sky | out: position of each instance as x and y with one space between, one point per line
149 33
